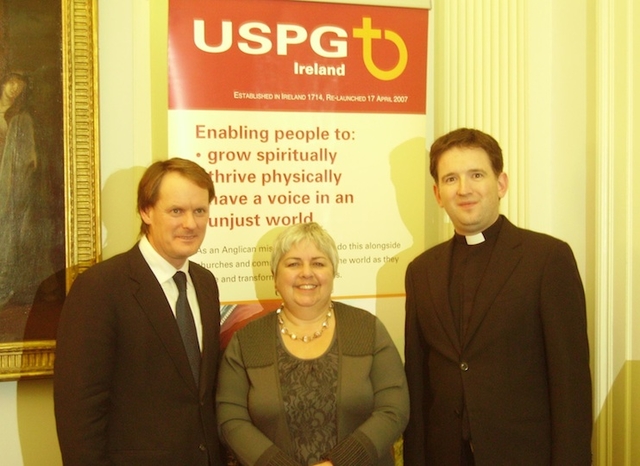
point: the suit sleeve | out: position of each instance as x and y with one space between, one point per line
415 357
563 314
85 355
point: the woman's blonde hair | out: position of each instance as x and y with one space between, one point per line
299 232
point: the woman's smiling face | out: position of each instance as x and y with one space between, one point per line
304 278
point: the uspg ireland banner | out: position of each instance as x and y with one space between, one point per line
303 111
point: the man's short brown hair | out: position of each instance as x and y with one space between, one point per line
149 186
470 139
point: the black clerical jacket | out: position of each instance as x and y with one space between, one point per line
521 369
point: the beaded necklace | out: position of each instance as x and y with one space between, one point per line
304 338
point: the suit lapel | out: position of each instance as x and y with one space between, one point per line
153 302
438 271
504 259
208 302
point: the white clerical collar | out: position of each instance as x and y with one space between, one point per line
472 240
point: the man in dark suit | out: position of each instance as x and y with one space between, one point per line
496 348
127 390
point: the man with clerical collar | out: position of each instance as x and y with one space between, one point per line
496 349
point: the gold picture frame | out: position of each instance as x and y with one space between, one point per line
35 358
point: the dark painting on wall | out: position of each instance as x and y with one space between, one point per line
48 172
31 162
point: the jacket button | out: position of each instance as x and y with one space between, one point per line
202 447
464 366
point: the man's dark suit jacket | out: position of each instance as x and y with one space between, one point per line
522 368
123 389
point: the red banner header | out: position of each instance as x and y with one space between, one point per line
297 56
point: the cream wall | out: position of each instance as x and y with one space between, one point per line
617 239
553 81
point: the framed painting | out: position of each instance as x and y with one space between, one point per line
49 172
